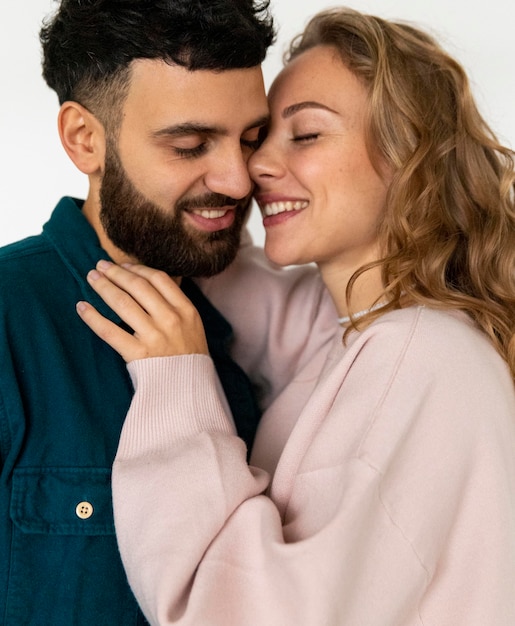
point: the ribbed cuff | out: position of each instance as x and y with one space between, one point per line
175 398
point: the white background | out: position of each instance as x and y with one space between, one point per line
35 171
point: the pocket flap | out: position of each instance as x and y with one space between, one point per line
63 501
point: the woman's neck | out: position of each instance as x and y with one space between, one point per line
365 292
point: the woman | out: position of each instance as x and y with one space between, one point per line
387 497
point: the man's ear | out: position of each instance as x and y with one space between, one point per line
83 137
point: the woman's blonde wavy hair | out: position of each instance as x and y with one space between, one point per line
449 225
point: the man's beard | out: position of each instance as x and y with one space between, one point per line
145 232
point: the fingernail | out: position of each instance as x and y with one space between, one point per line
93 275
104 265
81 307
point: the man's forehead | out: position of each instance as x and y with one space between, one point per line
200 96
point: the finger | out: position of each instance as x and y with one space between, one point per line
165 325
121 302
136 280
119 339
185 319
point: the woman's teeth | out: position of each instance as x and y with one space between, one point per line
275 208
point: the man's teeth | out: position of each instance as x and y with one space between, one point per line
280 207
210 214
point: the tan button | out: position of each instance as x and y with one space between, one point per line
84 510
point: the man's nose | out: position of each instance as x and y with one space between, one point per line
228 174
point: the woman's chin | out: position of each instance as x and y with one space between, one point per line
281 255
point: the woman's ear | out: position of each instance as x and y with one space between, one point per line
83 137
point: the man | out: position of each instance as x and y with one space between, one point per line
162 103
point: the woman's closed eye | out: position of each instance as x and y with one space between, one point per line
306 137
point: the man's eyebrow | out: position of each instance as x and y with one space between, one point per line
194 128
187 128
308 104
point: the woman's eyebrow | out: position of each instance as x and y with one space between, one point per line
308 104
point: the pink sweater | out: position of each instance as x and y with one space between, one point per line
386 498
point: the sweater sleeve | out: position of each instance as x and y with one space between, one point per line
182 463
201 540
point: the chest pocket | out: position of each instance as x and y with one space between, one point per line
63 501
65 569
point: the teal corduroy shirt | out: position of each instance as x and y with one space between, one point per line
63 399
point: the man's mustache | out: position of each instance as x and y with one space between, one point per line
209 200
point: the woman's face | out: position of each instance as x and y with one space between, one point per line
320 196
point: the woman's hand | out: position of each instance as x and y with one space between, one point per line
164 321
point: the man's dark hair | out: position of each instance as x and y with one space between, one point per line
88 45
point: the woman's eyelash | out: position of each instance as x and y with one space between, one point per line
306 138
